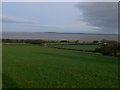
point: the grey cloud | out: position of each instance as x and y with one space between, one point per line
8 19
46 26
100 14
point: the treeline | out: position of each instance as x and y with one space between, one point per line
30 41
111 48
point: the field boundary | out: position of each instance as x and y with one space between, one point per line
82 50
75 44
74 49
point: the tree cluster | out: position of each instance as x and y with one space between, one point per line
111 48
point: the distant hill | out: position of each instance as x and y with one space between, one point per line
81 33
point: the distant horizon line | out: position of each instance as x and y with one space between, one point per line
63 32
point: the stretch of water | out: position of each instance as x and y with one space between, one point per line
57 36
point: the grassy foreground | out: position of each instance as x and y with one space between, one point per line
32 66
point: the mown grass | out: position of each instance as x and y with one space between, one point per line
59 43
81 47
32 66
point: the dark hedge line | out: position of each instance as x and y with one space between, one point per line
30 41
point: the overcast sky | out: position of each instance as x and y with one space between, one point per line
87 17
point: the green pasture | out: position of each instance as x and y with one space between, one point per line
32 66
81 47
60 43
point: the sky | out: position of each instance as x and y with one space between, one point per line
70 17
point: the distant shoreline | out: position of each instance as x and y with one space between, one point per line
64 33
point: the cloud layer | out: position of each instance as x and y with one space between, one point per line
100 14
8 19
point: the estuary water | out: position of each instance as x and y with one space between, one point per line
57 36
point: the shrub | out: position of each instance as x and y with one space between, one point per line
77 41
98 50
104 41
109 49
95 41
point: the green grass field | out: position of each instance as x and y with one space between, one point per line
61 43
81 47
32 66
